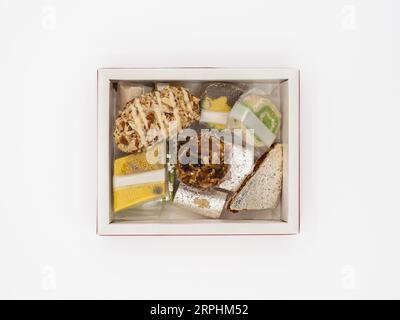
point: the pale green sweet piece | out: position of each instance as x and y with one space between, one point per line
264 110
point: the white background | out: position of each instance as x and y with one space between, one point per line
348 53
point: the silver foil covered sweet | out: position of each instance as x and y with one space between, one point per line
209 203
242 162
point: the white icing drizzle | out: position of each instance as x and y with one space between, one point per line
138 122
160 113
175 109
142 114
187 101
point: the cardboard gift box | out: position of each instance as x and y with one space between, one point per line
161 218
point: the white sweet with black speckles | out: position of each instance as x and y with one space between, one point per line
262 190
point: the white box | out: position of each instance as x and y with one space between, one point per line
289 221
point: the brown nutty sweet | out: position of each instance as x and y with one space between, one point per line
147 119
201 172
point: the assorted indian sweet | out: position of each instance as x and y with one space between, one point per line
261 189
241 165
254 110
208 203
153 117
126 91
216 103
139 178
201 162
211 172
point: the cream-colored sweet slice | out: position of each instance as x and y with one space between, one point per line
161 85
127 91
262 189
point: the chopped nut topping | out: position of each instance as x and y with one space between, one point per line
143 121
199 172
